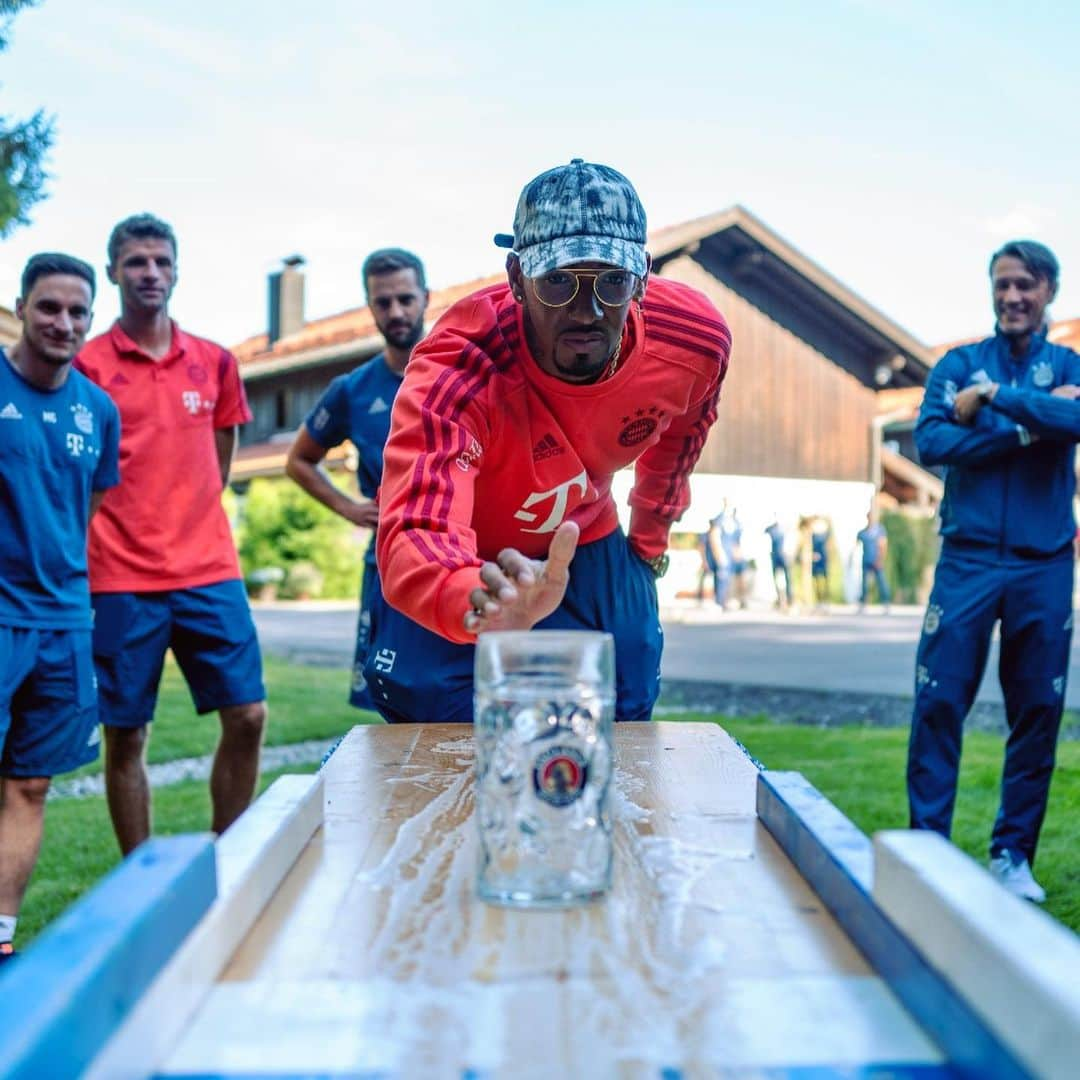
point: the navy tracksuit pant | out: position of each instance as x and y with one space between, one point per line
414 675
1033 600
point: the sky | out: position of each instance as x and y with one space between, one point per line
895 144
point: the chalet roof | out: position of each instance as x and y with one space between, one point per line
1066 332
752 250
744 244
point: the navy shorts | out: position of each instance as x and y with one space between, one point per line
48 702
359 696
210 631
414 675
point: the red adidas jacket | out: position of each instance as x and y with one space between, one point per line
488 451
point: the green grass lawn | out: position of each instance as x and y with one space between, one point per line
860 769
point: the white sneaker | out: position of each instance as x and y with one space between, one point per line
1017 877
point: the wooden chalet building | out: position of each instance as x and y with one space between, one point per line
801 416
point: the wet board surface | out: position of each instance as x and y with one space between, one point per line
711 952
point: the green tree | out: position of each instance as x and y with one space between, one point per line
281 525
23 147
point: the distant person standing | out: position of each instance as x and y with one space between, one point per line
357 407
820 534
716 560
781 571
59 445
731 534
163 566
874 542
1002 415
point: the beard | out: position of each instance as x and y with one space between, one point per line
404 336
581 367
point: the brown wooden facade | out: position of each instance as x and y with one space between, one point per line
786 408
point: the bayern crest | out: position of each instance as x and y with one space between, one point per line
84 418
559 775
1042 374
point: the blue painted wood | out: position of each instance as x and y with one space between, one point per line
837 861
825 1072
806 1072
65 996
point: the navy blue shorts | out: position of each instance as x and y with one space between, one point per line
48 702
359 696
210 631
414 675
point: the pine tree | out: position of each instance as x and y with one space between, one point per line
23 147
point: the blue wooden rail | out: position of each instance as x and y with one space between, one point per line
837 860
63 998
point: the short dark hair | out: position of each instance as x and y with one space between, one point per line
1038 259
139 227
389 261
47 263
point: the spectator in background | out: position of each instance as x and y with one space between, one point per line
731 534
59 446
820 535
163 566
357 407
874 543
1003 415
716 558
781 571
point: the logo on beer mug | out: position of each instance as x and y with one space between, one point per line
560 775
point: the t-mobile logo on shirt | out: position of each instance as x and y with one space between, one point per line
192 401
560 496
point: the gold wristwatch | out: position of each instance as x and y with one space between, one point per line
658 564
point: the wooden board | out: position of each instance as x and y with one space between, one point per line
711 950
1018 967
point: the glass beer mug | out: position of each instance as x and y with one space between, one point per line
544 704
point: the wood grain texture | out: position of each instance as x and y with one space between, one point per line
710 950
1018 967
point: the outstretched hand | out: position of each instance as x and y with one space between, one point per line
516 591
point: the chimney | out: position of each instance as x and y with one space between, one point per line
286 299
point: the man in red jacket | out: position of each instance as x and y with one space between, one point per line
514 415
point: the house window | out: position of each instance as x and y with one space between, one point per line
281 410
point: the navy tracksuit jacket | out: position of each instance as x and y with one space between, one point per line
1007 532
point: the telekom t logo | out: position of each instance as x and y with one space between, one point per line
191 401
75 444
560 496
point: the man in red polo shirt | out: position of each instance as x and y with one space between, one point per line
163 566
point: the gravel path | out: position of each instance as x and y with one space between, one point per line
197 768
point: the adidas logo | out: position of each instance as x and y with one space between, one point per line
10 412
119 379
546 448
377 406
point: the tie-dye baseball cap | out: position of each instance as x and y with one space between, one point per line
579 212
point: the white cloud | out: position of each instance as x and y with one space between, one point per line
1021 219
